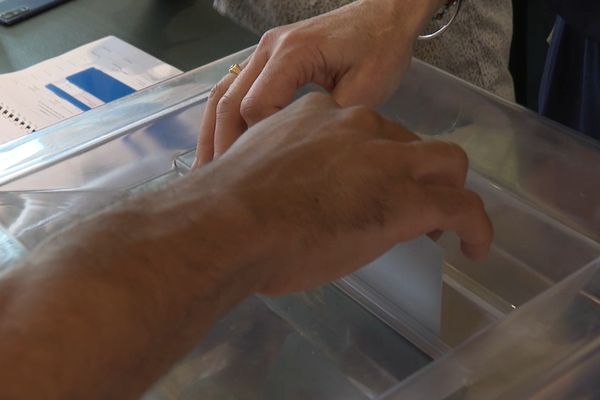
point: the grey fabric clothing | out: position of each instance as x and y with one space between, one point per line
476 48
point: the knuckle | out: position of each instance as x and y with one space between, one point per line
281 38
460 156
252 109
218 90
226 105
270 37
289 38
365 118
475 201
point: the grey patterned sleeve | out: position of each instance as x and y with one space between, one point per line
476 48
262 15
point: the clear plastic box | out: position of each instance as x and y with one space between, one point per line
523 324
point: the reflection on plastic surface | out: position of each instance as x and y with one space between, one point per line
104 124
29 217
531 251
10 249
576 378
525 353
404 287
33 216
139 154
537 159
314 345
410 277
25 151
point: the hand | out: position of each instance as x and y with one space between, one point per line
306 196
329 190
359 52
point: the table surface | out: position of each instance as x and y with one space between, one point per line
183 33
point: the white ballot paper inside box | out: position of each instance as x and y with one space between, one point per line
403 284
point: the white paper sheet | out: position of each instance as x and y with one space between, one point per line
47 93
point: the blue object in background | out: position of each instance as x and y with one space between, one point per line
66 96
100 85
13 11
570 88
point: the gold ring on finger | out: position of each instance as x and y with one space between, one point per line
235 69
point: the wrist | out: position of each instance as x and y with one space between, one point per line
214 234
195 236
149 274
410 17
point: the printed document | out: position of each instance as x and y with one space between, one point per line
77 81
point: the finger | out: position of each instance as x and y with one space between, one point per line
461 211
206 137
354 89
276 86
435 235
427 162
229 124
437 162
434 163
394 131
377 126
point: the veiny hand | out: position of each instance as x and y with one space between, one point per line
359 53
329 189
306 196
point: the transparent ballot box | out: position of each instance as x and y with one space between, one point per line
422 322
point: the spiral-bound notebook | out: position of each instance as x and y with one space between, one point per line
74 82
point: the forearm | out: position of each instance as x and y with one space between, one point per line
302 199
111 303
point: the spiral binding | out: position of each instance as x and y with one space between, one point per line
16 118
